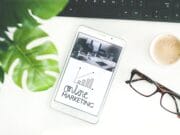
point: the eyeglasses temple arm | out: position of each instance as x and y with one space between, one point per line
128 81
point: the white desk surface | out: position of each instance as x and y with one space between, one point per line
26 113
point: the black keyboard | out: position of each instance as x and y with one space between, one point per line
153 10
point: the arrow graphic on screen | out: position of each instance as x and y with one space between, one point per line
84 79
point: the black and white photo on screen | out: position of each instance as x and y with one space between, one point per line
96 52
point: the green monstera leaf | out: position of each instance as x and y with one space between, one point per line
14 12
20 14
37 77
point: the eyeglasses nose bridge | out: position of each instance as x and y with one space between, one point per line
161 89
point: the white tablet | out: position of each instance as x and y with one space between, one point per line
83 85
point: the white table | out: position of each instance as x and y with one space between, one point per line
26 113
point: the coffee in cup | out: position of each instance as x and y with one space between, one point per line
165 49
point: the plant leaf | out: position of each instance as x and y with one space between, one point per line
37 78
1 75
13 12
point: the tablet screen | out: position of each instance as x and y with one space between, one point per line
88 73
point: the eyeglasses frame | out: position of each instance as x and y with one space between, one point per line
160 88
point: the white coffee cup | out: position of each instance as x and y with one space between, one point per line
165 49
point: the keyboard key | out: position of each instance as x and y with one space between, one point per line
177 4
141 3
122 3
70 11
153 4
155 14
132 3
176 15
147 14
94 3
166 4
104 2
165 14
84 3
136 13
126 13
75 2
113 3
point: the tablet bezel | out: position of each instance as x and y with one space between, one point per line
73 111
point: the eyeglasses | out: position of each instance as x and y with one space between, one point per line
146 87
